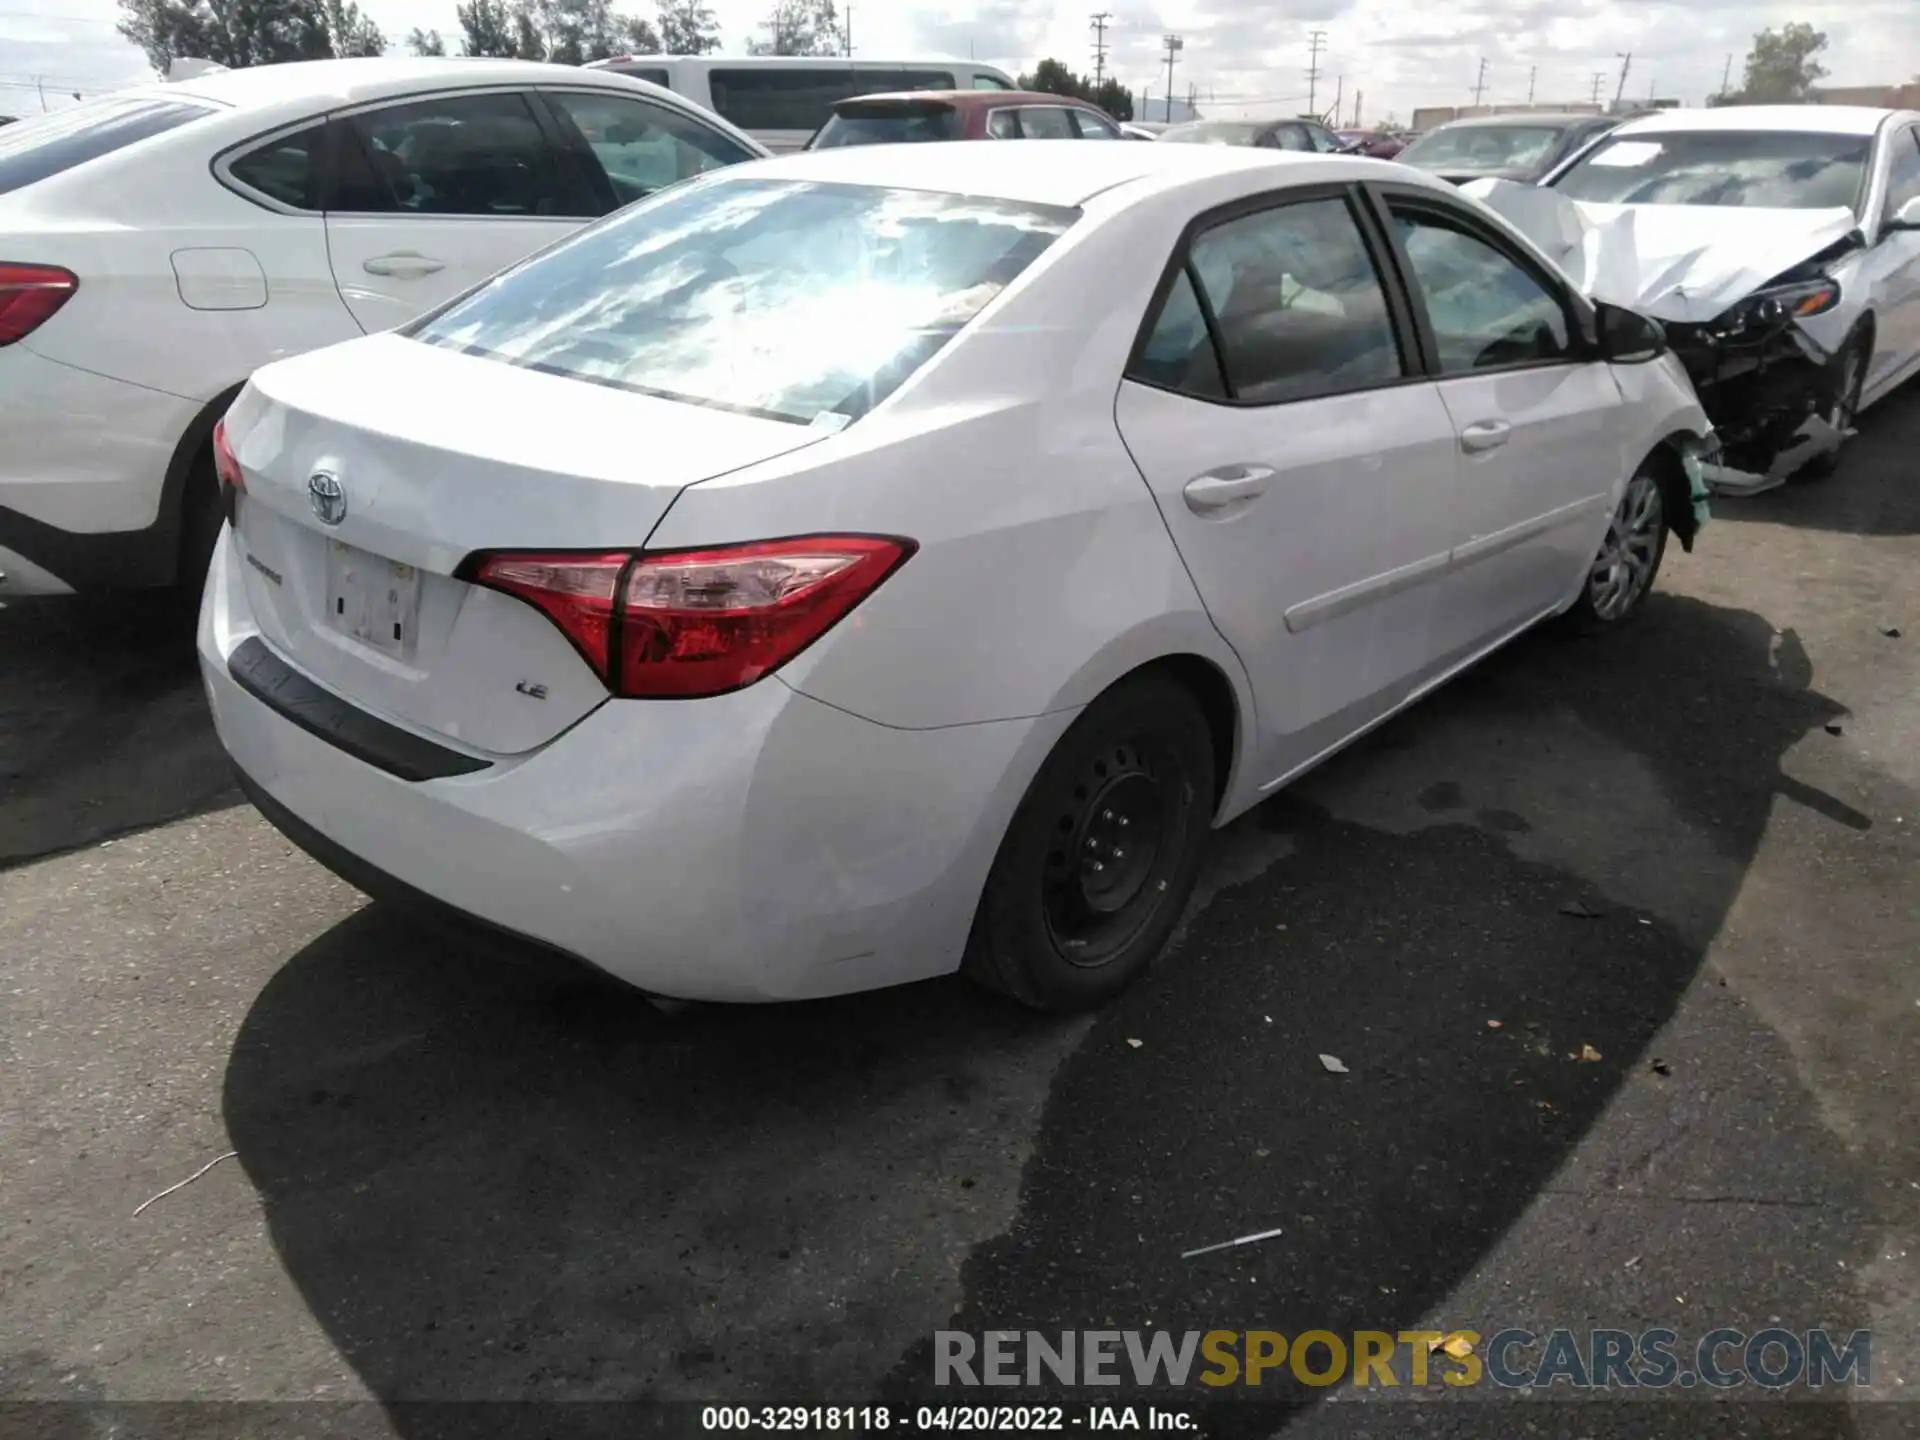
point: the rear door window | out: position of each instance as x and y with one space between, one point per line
1903 169
802 98
1003 125
1094 127
1046 122
457 155
43 146
860 123
285 169
642 147
1297 308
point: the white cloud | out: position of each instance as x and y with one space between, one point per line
1239 50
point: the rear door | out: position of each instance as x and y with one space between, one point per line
1304 467
1536 416
430 196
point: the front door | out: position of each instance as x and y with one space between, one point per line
1303 469
430 197
1535 414
1892 269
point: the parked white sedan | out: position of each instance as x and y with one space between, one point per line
160 243
861 565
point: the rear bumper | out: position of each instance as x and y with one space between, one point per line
756 846
83 466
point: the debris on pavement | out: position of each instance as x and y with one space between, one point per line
1587 1055
1632 1261
1136 1044
1833 727
1660 1067
1458 1346
182 1184
1229 1244
1333 1065
1580 910
1892 632
1493 1024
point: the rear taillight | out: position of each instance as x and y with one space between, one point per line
688 623
232 483
29 294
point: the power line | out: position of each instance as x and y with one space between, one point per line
1316 43
1099 24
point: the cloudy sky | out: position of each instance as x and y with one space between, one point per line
1398 54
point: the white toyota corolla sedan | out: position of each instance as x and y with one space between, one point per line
858 566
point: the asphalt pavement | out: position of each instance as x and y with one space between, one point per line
1686 852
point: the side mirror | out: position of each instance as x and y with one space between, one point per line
1907 217
1629 338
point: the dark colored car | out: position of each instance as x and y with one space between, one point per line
1284 134
922 115
1523 147
6 119
1379 144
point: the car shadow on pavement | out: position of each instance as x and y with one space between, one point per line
103 724
495 1184
1850 501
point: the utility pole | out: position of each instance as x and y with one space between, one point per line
1339 89
1726 77
40 84
1174 46
1480 83
1100 47
849 32
1532 75
1316 43
1626 64
1598 81
1358 96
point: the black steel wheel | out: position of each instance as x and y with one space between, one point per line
1092 874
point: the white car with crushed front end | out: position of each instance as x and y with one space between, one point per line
160 243
858 566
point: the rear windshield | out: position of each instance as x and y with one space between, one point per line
1758 168
44 145
767 97
1484 147
1215 132
857 124
795 301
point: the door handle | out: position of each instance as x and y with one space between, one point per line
1484 435
1219 488
405 264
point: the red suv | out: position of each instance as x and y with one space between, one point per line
962 115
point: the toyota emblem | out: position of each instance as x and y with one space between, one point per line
327 496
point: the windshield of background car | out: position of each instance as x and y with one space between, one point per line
790 300
1484 147
45 145
1771 169
1215 132
883 125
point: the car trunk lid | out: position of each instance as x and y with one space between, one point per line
373 470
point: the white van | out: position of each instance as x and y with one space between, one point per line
781 100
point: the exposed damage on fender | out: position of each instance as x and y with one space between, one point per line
1750 303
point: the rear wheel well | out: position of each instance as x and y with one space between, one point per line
1203 680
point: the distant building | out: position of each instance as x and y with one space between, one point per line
1879 97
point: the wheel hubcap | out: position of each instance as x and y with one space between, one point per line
1624 567
1101 882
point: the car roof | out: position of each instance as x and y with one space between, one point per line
1046 172
1806 119
1517 118
351 82
973 99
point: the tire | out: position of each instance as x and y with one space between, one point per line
1623 570
1848 376
1132 782
200 522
